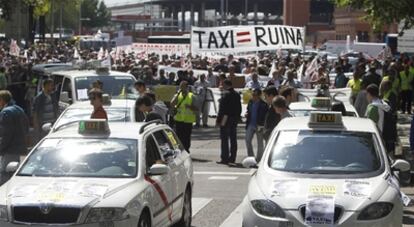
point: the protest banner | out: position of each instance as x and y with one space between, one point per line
165 93
161 48
235 39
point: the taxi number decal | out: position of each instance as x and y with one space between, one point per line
328 118
322 190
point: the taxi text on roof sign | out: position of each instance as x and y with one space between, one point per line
325 119
94 126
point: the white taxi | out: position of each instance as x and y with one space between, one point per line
325 170
72 86
120 175
118 110
302 109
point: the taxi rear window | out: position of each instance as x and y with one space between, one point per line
325 152
83 157
116 87
75 115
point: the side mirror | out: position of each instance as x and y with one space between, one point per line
64 97
12 167
401 165
47 127
159 169
249 162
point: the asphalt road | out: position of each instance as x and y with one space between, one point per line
219 190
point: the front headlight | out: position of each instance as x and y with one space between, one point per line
3 213
106 214
267 208
376 211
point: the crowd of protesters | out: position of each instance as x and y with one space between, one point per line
379 88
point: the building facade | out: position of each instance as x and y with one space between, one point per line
349 21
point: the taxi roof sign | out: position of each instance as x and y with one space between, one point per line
93 126
325 119
321 102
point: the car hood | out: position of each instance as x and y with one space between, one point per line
62 191
293 192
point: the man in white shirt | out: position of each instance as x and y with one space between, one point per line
254 83
202 86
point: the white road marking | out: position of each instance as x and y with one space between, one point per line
235 218
198 204
251 172
222 178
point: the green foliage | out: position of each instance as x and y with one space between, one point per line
97 13
6 8
40 7
384 12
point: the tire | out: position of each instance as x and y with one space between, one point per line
144 220
186 216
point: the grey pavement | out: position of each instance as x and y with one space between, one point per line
219 190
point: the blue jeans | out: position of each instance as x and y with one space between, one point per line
250 132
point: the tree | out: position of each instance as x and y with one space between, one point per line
97 12
37 9
384 12
6 8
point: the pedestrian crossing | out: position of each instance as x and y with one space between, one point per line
233 220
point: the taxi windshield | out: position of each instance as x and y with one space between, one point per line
111 158
118 87
325 152
74 115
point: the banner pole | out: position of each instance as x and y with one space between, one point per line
191 41
304 39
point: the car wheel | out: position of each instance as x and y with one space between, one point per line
186 216
144 220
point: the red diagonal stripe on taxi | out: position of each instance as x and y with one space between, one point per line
161 193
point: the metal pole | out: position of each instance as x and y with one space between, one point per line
151 12
227 10
52 28
80 17
221 11
61 21
246 8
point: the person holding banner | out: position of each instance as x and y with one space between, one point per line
184 103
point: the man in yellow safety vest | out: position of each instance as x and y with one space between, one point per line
185 116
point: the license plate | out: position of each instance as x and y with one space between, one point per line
286 224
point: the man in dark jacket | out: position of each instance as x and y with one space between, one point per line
371 77
272 118
45 108
227 118
14 127
256 113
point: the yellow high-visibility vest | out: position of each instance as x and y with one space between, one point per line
406 81
183 113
